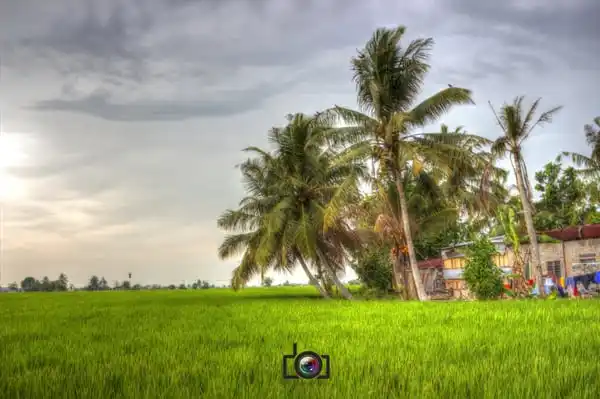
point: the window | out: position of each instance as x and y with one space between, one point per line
554 268
587 258
501 260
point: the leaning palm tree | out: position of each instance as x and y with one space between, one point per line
517 123
248 223
293 211
389 80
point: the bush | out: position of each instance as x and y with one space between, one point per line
267 282
374 269
482 276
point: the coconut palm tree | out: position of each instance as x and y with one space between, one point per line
294 211
389 78
589 165
517 123
433 204
248 224
475 186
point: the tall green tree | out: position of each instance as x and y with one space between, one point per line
389 79
567 199
94 283
517 123
62 284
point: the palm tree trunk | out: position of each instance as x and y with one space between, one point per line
340 286
528 214
412 257
411 289
312 278
398 275
407 283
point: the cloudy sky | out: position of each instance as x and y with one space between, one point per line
123 120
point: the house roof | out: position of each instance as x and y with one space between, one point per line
494 240
433 262
572 233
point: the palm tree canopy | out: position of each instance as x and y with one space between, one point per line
517 124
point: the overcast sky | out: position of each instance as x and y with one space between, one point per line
123 120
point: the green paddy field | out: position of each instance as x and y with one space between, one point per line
219 344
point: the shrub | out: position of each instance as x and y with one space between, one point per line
374 269
482 276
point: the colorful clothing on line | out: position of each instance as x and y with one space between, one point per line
585 279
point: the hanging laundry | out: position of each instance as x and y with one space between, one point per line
562 282
570 290
570 282
597 277
585 279
548 284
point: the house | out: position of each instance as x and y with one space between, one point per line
431 275
454 259
576 252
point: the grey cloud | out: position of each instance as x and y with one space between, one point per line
99 104
116 36
569 28
563 20
508 65
132 43
250 36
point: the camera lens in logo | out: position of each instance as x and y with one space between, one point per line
308 365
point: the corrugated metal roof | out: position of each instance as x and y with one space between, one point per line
573 233
433 262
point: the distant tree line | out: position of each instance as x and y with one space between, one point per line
96 283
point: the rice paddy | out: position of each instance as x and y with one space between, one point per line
219 344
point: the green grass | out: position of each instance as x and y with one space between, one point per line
219 344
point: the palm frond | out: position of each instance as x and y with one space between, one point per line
432 108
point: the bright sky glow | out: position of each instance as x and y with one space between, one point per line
11 154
